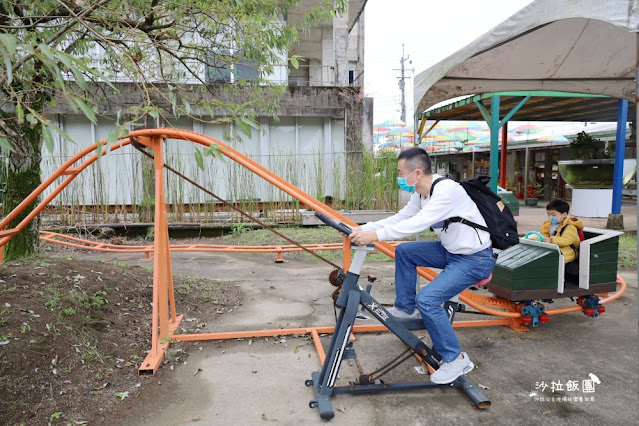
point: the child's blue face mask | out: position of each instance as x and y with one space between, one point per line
401 181
554 220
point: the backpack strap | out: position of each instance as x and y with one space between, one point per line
572 246
457 218
432 186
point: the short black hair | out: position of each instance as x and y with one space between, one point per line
416 158
559 205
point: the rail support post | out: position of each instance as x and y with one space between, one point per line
163 327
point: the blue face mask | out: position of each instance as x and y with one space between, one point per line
401 181
554 220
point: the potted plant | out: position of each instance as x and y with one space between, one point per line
535 192
594 166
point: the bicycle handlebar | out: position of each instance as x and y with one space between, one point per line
341 227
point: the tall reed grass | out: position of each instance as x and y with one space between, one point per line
119 189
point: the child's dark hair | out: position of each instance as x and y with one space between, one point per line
559 205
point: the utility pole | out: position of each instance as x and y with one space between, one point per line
402 83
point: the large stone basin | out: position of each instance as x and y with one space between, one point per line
594 173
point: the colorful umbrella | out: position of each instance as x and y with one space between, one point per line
400 131
456 145
393 123
380 129
404 140
528 128
388 145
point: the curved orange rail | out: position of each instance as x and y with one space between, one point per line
163 298
80 243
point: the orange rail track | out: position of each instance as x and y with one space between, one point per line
79 243
165 320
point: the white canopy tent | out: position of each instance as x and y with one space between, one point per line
581 46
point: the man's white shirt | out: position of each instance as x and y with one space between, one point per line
449 199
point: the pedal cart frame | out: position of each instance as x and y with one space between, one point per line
349 300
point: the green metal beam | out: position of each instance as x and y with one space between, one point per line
484 111
494 142
513 111
531 93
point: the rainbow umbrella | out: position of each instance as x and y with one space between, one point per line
437 131
393 123
458 129
401 131
528 128
380 129
476 125
388 145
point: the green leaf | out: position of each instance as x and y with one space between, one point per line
5 145
250 122
122 395
294 62
55 416
173 101
9 67
199 159
61 132
88 112
48 138
154 113
10 42
112 137
92 71
245 125
215 150
20 113
79 78
31 119
46 51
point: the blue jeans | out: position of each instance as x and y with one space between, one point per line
459 272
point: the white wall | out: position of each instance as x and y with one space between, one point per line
307 151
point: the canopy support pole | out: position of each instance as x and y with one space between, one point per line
494 142
504 151
620 155
526 161
492 118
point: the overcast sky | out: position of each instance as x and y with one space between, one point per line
430 30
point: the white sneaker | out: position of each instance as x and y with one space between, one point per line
399 314
448 372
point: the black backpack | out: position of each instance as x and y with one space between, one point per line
499 220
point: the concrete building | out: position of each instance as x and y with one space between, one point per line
322 124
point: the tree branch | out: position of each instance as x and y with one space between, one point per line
53 38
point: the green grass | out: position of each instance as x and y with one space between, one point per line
302 235
327 235
309 235
628 251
